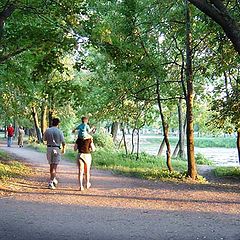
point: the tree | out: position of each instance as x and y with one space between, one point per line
220 13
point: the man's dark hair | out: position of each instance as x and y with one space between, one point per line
55 122
84 118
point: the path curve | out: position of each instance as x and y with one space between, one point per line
115 207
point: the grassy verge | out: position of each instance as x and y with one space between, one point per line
202 142
10 168
227 172
146 167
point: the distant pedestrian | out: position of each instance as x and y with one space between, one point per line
55 146
21 134
10 134
84 160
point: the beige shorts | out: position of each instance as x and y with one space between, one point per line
53 155
85 157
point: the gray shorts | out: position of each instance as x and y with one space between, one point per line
53 155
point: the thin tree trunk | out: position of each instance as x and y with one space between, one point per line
133 145
124 139
44 118
138 143
50 117
36 124
238 144
192 170
114 130
176 150
160 150
181 130
165 129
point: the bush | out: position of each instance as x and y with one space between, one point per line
103 140
202 160
227 172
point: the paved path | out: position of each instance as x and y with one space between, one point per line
115 207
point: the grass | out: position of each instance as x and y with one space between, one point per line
202 142
147 167
10 168
202 160
227 172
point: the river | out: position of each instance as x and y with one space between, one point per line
220 156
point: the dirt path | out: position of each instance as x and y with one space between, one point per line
115 207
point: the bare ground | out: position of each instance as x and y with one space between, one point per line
115 207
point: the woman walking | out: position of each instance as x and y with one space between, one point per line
84 160
21 134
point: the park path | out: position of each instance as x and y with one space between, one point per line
115 207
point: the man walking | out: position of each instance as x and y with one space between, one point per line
55 146
10 133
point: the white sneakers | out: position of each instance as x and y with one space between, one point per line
53 184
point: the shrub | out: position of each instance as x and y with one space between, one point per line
103 140
227 172
202 160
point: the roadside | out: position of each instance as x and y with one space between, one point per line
115 207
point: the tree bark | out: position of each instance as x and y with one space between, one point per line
138 143
124 138
50 117
216 10
133 145
238 144
161 147
176 150
44 118
180 129
114 130
165 129
4 15
192 170
36 124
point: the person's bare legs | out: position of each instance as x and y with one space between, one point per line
80 174
53 171
87 167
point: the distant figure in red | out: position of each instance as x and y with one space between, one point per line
10 133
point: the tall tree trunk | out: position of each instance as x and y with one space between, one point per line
192 170
176 149
36 124
124 138
114 130
138 143
133 145
238 144
180 129
165 129
50 117
44 118
161 147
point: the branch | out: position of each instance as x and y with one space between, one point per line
6 57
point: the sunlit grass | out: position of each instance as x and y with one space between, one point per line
10 168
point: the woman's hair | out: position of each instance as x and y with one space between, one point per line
83 119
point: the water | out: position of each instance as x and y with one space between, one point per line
219 156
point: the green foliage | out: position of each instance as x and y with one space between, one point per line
227 172
10 168
103 140
202 160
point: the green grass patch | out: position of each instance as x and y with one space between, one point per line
202 160
39 147
227 172
202 142
146 167
10 168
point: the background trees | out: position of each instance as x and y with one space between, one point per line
129 63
